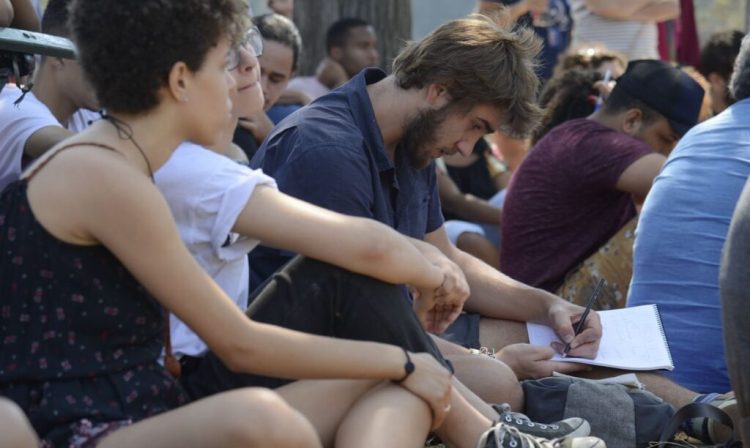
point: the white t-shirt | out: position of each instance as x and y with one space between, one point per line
17 124
207 192
82 119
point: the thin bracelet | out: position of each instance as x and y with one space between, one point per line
408 367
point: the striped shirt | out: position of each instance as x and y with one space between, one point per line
635 39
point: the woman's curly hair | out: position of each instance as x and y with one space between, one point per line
128 47
566 97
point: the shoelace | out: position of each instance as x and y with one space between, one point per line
526 440
522 419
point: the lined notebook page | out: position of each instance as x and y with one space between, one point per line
632 339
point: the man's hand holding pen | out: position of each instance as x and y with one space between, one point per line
579 329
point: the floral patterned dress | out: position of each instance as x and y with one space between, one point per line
79 336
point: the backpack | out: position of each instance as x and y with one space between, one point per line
693 410
624 417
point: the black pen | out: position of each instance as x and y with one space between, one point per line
582 321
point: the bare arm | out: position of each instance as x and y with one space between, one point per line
45 138
494 294
258 124
90 196
361 245
6 13
488 284
658 11
639 176
645 10
515 10
467 206
294 97
24 16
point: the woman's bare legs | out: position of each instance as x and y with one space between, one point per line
250 417
387 415
15 429
351 413
490 379
357 413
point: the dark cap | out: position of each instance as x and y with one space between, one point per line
665 89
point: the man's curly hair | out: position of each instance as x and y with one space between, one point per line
128 47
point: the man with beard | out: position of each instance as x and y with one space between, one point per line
368 149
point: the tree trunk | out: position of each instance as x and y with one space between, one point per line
390 18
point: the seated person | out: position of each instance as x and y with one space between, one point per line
578 186
99 263
471 197
568 95
734 284
364 150
278 63
351 45
33 121
81 332
218 219
682 228
717 63
597 57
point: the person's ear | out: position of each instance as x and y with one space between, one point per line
178 82
632 121
437 95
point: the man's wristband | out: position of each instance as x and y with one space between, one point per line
408 367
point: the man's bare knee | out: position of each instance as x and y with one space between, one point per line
492 380
498 333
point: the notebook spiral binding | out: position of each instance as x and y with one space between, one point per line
661 330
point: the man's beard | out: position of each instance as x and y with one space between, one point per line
420 135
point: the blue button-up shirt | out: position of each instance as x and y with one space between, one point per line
331 153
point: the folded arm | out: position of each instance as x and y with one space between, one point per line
118 207
644 10
467 206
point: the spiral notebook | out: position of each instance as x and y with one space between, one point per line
632 339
